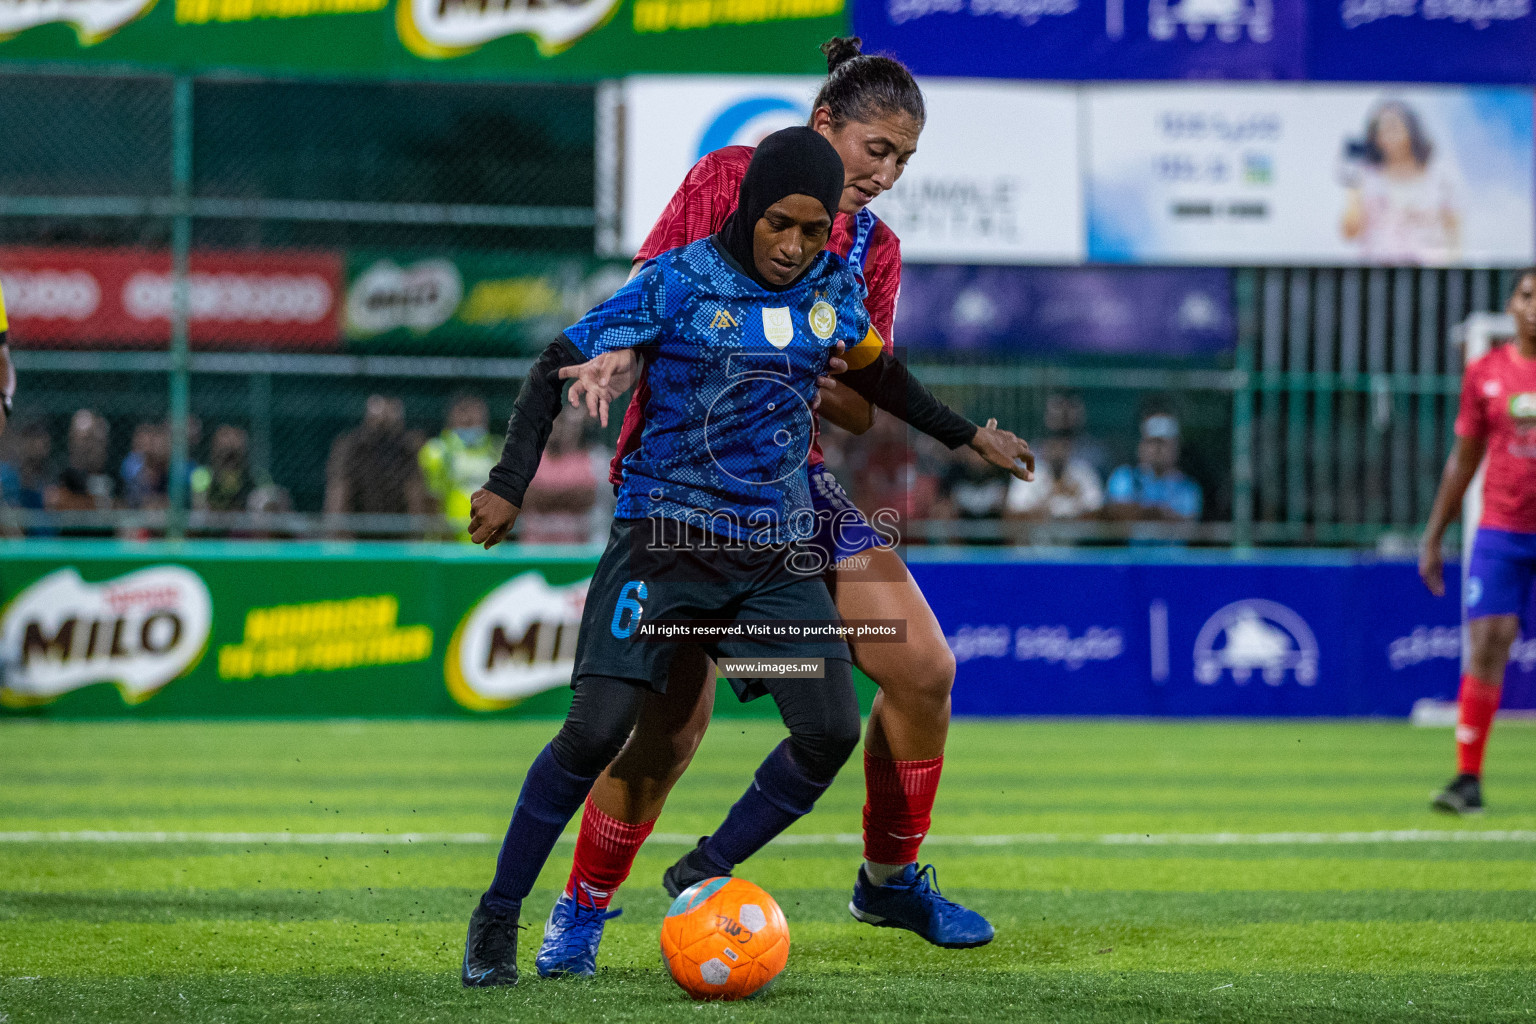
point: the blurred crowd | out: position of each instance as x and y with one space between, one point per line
1075 479
37 476
384 479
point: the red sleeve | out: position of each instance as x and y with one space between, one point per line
1471 420
882 272
701 203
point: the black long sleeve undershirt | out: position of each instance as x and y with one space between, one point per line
887 384
533 417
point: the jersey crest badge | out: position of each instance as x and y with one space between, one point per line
722 320
777 327
823 320
1523 405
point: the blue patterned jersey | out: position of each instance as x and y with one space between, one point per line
732 370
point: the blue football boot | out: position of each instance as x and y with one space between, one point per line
571 938
912 900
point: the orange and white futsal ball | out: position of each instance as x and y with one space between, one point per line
724 938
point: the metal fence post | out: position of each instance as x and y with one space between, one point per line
181 301
1242 409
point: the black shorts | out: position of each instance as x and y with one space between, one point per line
689 578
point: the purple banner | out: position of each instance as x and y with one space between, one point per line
1100 39
1103 310
1422 40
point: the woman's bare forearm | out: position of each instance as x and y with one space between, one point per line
1460 468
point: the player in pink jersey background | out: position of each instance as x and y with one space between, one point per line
872 112
1497 417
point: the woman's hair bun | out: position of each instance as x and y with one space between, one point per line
840 50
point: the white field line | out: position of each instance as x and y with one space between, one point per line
824 839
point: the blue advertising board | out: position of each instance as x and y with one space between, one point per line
1466 41
1314 635
1154 311
1490 41
1088 39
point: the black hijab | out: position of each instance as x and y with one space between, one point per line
794 161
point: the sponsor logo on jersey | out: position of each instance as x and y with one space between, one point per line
519 640
1256 636
722 320
92 20
823 319
777 327
1523 405
442 29
138 631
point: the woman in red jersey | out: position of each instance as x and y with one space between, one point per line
872 111
1497 417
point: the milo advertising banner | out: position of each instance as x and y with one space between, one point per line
215 629
95 628
502 303
431 38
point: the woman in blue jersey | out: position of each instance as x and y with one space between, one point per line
739 326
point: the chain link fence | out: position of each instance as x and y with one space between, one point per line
370 267
360 257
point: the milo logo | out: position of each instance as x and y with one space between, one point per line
387 296
92 20
1523 405
451 28
139 631
519 640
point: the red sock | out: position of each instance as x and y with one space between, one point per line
898 807
605 851
1479 702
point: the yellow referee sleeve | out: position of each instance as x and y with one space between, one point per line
3 326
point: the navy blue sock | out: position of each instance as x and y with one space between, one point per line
551 796
780 795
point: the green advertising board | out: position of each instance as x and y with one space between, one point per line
209 629
550 39
501 304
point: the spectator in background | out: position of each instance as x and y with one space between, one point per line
557 508
145 471
26 476
85 485
1155 489
1065 486
1065 413
972 489
372 469
456 462
267 504
889 477
225 484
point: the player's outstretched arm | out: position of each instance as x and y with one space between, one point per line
7 373
7 383
1460 468
495 507
886 383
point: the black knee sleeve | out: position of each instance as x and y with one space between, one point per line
823 719
603 713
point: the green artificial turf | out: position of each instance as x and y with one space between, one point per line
1073 836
